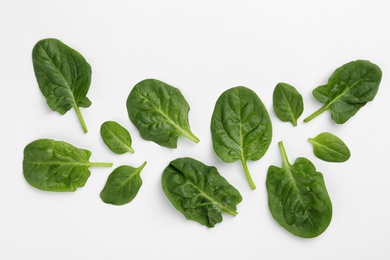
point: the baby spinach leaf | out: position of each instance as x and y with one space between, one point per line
122 185
198 191
63 76
116 137
349 88
330 148
57 166
241 128
297 197
160 112
287 103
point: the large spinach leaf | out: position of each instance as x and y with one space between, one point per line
330 148
63 76
122 185
160 112
297 197
241 128
116 137
198 191
57 166
287 103
349 88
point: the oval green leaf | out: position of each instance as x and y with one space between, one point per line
198 191
160 112
63 76
330 148
297 197
241 128
57 166
287 103
122 185
116 137
349 88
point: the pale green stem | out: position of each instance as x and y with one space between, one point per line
248 175
316 113
81 119
231 212
101 164
191 136
284 154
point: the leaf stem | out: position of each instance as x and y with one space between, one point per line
101 164
81 119
316 113
231 212
191 136
284 154
247 174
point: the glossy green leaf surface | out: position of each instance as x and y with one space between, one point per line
241 128
198 191
160 112
122 185
116 137
297 197
57 166
330 148
349 88
63 76
287 103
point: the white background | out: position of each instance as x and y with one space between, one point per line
203 48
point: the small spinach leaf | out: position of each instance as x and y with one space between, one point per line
122 185
330 148
160 112
297 197
349 88
241 128
63 76
198 191
116 137
57 166
287 103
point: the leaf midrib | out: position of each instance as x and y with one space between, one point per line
119 140
163 114
287 167
67 86
347 89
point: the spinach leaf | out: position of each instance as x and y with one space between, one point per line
198 191
241 128
297 197
160 112
330 148
63 76
349 88
116 137
287 103
122 185
57 166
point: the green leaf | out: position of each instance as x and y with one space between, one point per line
241 128
63 76
349 88
116 137
160 112
198 191
287 103
297 197
330 148
122 185
57 166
